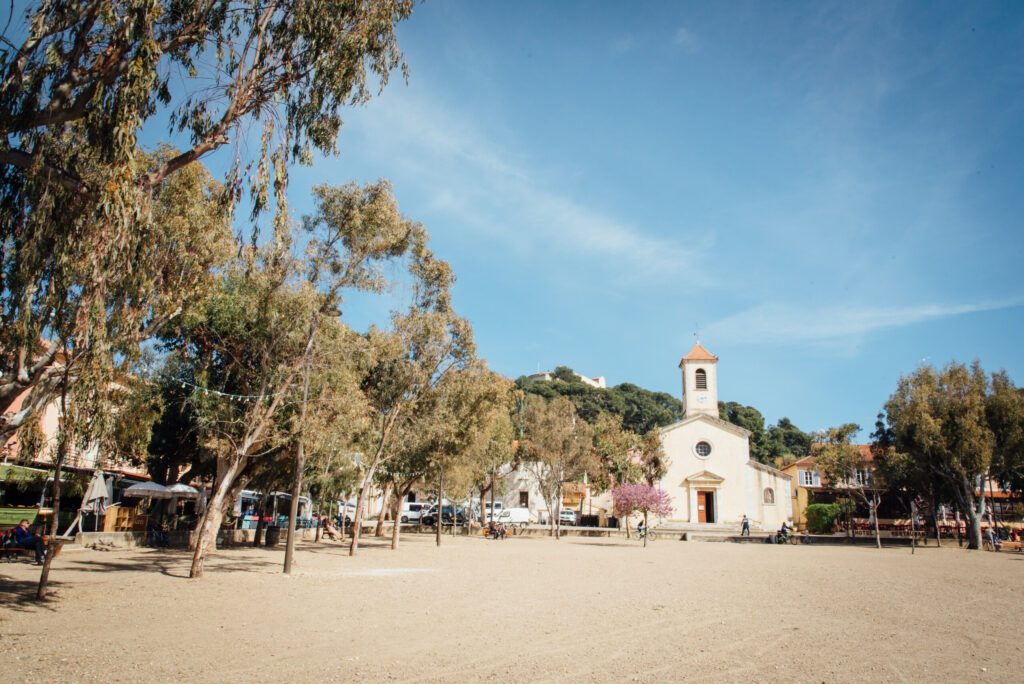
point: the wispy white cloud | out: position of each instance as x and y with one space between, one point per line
684 39
778 323
486 185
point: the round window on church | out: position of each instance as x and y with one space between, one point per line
703 449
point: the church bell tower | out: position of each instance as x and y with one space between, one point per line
700 383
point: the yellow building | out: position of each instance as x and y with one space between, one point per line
806 481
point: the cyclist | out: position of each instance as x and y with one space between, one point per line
641 531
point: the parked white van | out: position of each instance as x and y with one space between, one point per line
515 516
411 511
498 507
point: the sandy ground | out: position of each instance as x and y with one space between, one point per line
521 610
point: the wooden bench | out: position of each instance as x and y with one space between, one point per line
12 552
1013 546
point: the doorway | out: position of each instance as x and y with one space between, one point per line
705 506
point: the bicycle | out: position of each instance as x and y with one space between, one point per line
648 534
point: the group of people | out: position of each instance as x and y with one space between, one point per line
496 530
22 537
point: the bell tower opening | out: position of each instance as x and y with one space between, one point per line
700 382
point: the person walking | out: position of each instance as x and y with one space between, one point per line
745 526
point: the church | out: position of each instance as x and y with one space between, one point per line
711 478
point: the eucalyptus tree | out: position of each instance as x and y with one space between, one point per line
83 257
464 406
558 448
353 231
406 363
81 298
938 418
259 337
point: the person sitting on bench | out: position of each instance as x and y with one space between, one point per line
24 538
330 530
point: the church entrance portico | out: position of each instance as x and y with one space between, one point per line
703 496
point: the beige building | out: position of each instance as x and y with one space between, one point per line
711 477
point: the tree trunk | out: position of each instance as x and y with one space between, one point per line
214 516
935 520
396 531
493 487
959 537
357 517
972 509
379 530
300 455
483 507
645 530
440 506
293 509
874 514
913 527
261 511
62 450
558 512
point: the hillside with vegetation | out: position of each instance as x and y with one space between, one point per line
642 410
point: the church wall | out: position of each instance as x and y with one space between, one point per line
770 515
728 458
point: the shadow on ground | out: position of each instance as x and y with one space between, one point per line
20 595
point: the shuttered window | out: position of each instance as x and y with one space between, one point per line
702 379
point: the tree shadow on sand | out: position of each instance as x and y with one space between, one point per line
20 595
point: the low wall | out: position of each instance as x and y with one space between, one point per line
127 540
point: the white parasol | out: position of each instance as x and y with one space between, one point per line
183 491
150 489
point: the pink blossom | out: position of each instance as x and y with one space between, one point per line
641 498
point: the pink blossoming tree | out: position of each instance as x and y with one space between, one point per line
641 498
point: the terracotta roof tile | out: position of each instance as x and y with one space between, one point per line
699 353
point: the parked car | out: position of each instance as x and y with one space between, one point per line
412 511
429 516
567 517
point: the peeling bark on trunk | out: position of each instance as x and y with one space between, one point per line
214 516
396 530
62 450
357 518
379 530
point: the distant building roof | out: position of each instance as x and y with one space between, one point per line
699 353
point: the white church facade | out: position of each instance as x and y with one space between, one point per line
711 478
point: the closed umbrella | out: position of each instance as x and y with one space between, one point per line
150 489
95 499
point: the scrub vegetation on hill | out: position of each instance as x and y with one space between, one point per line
643 410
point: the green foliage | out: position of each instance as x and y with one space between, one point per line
750 419
821 518
88 262
788 442
1005 415
640 410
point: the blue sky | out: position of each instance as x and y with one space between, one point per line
830 193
